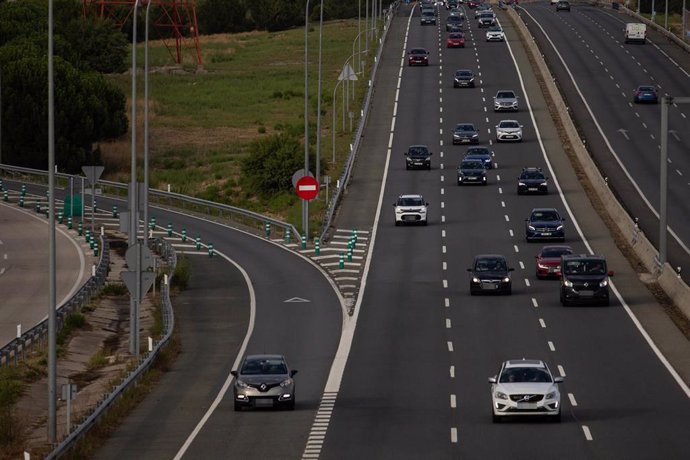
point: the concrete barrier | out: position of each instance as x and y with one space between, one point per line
670 282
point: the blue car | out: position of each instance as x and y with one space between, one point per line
646 94
480 153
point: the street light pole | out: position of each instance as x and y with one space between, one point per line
305 203
133 217
318 99
665 101
146 126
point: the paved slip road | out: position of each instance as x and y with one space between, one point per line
415 382
24 274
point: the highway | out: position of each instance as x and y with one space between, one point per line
597 74
415 382
24 270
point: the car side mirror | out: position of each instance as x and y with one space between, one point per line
293 372
520 126
496 126
526 220
492 379
564 219
558 380
233 373
406 153
426 204
610 272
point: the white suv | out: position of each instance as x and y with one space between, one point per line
410 209
525 387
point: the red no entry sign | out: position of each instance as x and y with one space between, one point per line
307 188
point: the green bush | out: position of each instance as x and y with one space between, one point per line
182 273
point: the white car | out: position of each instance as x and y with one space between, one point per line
495 34
410 209
508 130
525 387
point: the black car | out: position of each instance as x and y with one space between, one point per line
532 180
480 153
471 172
465 132
428 17
490 274
463 77
418 156
544 224
563 5
584 279
453 22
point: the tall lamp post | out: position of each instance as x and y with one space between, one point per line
305 203
133 217
318 100
146 125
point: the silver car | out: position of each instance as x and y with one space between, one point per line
264 381
525 387
505 100
495 34
508 130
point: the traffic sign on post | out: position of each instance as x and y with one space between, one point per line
307 188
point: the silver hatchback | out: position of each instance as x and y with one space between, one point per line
264 381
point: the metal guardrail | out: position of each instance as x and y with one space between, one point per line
166 251
29 340
117 190
345 175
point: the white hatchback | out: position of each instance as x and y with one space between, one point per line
410 209
508 130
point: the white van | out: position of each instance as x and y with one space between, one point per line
635 32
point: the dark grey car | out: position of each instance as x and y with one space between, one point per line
471 172
264 381
465 132
463 77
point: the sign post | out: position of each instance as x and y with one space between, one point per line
307 188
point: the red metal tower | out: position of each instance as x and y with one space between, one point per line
172 20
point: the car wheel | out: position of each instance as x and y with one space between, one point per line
397 224
407 167
555 418
495 418
564 301
238 406
424 222
290 405
606 302
519 192
428 166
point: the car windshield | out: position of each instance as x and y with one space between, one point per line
508 124
463 73
532 175
472 165
548 216
505 95
646 88
464 127
486 15
492 264
418 151
428 13
410 201
454 19
555 252
585 267
495 29
524 374
455 35
418 51
477 151
271 366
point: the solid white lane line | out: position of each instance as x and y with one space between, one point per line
588 434
542 323
552 347
571 397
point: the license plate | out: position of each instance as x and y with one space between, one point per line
551 269
532 189
524 405
471 178
263 402
489 286
510 136
586 293
546 233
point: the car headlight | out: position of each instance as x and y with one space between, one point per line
506 280
543 184
471 79
500 395
475 279
560 227
286 383
398 211
531 227
551 395
475 135
604 283
241 384
568 283
521 184
542 266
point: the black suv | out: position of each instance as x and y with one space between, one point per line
471 172
584 279
490 274
532 180
418 156
544 224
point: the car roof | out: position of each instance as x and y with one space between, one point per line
584 257
647 87
417 146
264 356
410 195
505 91
556 246
489 256
464 124
508 121
544 209
525 363
413 50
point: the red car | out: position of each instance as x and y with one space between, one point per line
549 261
473 4
418 56
455 40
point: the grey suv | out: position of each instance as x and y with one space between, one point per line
264 381
584 279
505 100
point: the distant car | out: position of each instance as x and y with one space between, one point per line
495 34
482 8
427 18
455 40
418 157
471 172
453 21
490 274
646 93
486 19
472 4
553 2
532 180
264 381
584 279
549 261
505 100
480 153
544 224
463 78
450 4
525 387
563 5
410 209
457 12
508 130
464 133
428 8
418 56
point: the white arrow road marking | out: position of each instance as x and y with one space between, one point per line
624 132
296 300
